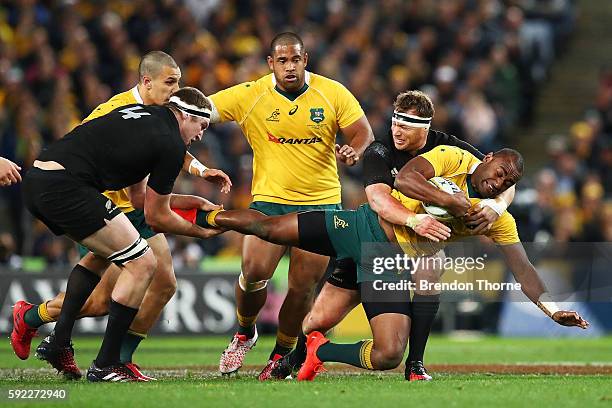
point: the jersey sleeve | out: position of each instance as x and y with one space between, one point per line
504 231
446 160
377 165
229 104
348 109
167 168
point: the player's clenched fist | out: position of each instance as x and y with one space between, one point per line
347 155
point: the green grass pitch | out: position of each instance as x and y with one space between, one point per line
185 367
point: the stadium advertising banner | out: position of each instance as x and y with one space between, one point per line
203 303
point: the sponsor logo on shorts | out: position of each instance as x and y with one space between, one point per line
394 172
339 222
274 116
284 140
316 115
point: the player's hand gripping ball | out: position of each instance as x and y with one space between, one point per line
441 213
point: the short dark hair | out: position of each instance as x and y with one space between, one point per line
153 62
192 96
514 156
286 38
416 100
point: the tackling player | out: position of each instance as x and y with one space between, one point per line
342 233
63 189
159 78
290 118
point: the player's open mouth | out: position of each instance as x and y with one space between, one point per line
291 78
489 187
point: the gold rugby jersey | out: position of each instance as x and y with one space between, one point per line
457 165
293 136
121 198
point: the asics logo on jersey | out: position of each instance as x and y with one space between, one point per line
283 140
293 110
130 113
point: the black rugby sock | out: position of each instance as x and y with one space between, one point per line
120 318
298 356
424 310
81 283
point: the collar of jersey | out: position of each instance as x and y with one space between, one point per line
471 190
472 193
137 95
292 96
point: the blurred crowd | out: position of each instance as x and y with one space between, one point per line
570 199
481 61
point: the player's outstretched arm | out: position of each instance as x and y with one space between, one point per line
391 210
360 135
188 202
161 218
412 182
534 288
193 166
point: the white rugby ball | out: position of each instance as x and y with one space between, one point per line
440 213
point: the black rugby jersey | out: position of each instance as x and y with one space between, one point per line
122 147
382 161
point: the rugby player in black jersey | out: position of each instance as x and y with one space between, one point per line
64 190
383 159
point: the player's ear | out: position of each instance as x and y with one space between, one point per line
147 82
488 157
270 63
305 59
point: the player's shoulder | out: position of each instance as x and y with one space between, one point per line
451 152
245 90
325 83
118 100
377 149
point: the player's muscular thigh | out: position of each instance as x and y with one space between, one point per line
306 269
259 258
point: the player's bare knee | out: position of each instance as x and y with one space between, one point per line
253 270
96 305
166 282
165 293
387 357
143 267
314 321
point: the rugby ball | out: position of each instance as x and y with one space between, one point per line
440 213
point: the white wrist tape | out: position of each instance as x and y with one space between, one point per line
498 205
547 305
196 168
